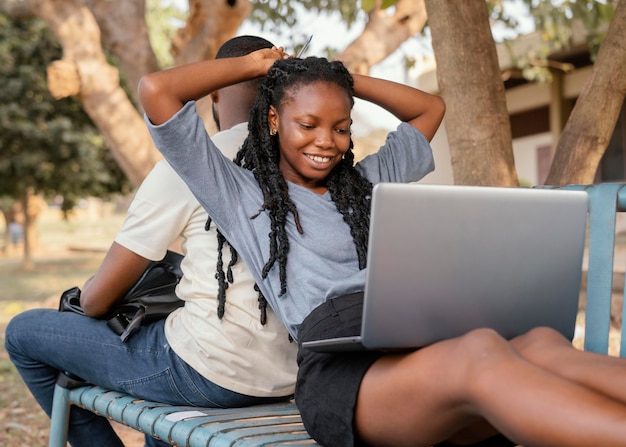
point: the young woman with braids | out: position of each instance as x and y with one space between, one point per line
297 211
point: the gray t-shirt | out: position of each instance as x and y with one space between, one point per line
322 262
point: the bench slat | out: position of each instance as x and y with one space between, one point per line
188 429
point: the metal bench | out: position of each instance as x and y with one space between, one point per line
275 424
280 424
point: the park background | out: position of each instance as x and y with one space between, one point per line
546 54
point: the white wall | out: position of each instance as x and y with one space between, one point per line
525 155
442 175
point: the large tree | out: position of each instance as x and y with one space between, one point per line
592 122
84 72
47 146
469 79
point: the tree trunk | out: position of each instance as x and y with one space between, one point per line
210 23
125 34
479 133
98 86
383 34
592 122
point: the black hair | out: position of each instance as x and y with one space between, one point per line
242 45
260 153
235 47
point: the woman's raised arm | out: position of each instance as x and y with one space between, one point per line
416 107
165 92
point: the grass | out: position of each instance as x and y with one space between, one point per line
69 252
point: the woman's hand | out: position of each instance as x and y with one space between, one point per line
266 57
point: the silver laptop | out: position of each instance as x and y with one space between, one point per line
444 260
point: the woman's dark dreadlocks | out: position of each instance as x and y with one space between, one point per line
237 46
260 153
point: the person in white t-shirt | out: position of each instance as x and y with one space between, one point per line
200 355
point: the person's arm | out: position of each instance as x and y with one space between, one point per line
164 93
416 107
119 271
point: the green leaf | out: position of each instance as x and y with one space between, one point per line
367 5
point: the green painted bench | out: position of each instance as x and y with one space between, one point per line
280 424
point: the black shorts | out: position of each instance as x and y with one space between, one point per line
328 383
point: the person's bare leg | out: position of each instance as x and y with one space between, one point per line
551 351
439 392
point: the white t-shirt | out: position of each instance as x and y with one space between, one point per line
236 352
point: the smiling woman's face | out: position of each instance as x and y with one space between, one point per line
313 124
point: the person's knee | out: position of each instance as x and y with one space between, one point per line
484 361
482 344
542 335
21 327
11 335
482 350
539 343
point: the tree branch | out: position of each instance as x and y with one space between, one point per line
383 34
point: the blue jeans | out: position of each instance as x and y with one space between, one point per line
43 342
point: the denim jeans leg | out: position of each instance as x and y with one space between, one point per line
30 340
43 342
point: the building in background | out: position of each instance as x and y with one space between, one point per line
538 112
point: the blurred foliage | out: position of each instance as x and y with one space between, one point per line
368 5
555 22
281 17
163 18
554 19
276 13
47 146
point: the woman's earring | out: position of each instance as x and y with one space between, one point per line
273 132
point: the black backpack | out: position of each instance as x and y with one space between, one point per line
152 298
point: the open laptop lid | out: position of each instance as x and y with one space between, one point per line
444 260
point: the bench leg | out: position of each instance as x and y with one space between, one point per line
60 418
